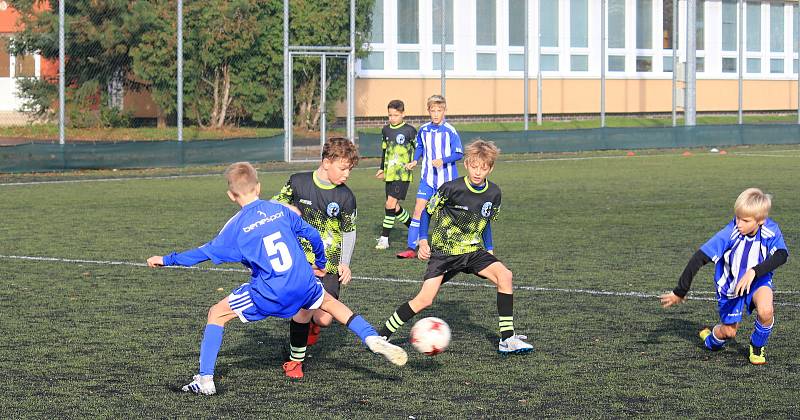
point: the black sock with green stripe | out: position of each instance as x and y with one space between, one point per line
505 312
402 216
298 339
388 222
398 318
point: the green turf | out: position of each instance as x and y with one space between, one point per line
82 339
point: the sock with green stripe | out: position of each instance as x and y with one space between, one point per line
388 222
505 312
298 338
402 216
398 318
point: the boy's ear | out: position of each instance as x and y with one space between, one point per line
258 189
231 195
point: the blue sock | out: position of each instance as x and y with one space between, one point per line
761 334
413 233
714 343
209 348
361 327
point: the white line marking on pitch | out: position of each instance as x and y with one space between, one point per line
383 279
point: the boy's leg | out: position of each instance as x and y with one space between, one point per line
218 316
765 319
715 338
298 336
406 311
364 330
401 215
502 277
413 230
322 319
388 222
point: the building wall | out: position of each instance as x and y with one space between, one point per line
569 96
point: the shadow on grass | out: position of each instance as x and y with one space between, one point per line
675 327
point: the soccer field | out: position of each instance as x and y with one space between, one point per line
592 239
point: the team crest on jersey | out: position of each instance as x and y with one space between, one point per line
400 139
486 210
333 209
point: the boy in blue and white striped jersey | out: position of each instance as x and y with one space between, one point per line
746 252
439 146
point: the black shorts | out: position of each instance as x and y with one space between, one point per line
397 189
330 282
450 265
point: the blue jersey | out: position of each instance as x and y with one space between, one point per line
263 236
735 253
438 142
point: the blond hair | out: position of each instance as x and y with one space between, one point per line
340 148
753 202
242 178
482 151
437 100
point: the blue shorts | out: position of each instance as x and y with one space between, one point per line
425 191
251 306
731 310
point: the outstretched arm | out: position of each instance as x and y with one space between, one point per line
678 295
186 258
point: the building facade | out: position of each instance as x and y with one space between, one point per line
484 59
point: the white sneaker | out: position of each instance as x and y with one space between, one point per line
380 345
201 385
514 344
383 243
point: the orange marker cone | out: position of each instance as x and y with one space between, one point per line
722 152
631 154
687 153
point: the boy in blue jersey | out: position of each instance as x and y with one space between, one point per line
746 252
263 236
461 242
439 146
398 145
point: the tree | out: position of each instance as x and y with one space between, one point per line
99 36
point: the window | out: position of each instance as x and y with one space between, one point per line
776 28
729 65
516 23
667 64
487 62
549 62
616 20
579 63
516 62
448 61
754 65
486 22
25 66
616 63
776 65
5 58
407 61
729 28
700 64
644 24
667 27
753 27
700 18
376 32
373 61
437 21
579 23
408 21
548 19
644 64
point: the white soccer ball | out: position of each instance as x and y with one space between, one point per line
430 336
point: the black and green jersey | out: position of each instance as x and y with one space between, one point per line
459 214
331 209
398 147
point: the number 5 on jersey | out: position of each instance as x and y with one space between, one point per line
275 246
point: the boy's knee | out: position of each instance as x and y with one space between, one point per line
421 302
505 280
323 319
766 314
726 332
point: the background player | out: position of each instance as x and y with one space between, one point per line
746 252
463 209
263 237
439 146
327 204
398 147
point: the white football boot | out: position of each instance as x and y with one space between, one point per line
383 243
514 345
380 345
201 384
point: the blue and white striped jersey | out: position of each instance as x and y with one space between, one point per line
734 253
438 142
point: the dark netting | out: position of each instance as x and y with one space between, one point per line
540 141
38 157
